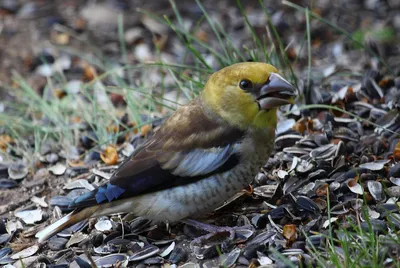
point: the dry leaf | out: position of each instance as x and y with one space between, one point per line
76 163
396 151
160 41
59 38
202 35
112 129
4 141
60 93
322 190
289 232
76 120
110 155
302 125
135 129
145 130
339 104
89 73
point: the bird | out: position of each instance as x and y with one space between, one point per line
204 153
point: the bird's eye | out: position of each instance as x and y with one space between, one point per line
245 84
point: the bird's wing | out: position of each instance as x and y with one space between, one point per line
188 147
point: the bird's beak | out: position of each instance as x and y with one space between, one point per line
276 92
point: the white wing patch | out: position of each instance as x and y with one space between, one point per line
198 162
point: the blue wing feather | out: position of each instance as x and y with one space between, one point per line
101 194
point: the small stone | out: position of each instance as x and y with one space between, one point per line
395 171
393 191
178 255
377 165
57 243
40 201
133 34
103 225
17 171
58 169
25 252
30 216
76 184
76 238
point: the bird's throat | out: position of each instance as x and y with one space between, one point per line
265 119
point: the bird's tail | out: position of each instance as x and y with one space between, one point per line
65 222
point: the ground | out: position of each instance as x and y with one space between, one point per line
83 83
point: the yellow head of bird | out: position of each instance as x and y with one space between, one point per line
248 94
